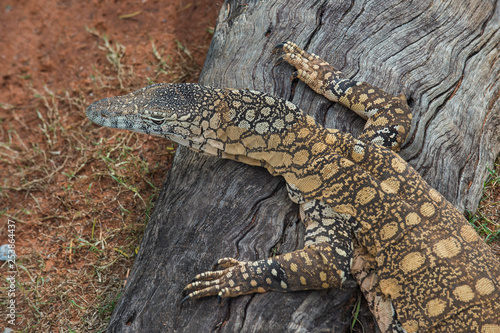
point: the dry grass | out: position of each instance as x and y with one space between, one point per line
486 221
87 188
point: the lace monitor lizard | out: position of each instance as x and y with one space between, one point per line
367 212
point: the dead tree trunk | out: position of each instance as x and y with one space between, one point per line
443 55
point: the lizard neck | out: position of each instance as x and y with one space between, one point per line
257 129
282 152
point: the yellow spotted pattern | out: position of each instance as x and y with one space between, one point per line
413 251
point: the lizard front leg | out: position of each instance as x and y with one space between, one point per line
324 263
313 267
325 225
388 117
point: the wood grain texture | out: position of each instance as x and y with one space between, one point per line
443 55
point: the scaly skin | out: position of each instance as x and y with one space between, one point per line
420 264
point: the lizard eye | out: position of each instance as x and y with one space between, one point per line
157 120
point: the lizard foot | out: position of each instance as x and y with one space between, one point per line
314 71
234 279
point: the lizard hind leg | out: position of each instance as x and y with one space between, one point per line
388 118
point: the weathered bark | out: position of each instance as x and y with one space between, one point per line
443 55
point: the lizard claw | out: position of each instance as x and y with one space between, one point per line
279 47
278 61
188 297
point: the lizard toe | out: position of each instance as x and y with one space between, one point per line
228 262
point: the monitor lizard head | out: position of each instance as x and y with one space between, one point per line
167 110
